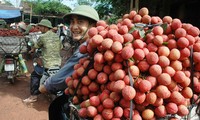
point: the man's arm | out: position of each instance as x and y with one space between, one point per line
57 82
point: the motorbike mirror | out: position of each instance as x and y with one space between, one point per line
30 43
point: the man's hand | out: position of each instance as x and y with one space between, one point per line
42 89
31 51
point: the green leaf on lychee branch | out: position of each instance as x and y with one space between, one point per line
128 43
164 26
148 31
132 29
165 43
132 59
142 33
137 26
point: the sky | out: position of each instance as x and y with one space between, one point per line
70 3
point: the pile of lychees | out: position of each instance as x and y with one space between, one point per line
161 55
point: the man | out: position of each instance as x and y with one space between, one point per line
81 19
27 21
62 30
50 46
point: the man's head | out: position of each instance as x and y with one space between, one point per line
45 25
27 21
2 23
81 19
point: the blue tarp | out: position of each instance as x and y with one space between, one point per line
6 14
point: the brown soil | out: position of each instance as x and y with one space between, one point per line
11 96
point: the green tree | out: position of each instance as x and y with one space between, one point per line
112 9
50 7
117 7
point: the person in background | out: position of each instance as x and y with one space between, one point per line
81 19
3 23
65 37
13 25
27 21
62 30
21 26
64 33
29 28
32 31
50 46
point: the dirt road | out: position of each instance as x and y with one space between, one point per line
11 96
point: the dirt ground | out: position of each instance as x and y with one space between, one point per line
11 96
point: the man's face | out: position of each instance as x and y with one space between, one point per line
78 27
43 29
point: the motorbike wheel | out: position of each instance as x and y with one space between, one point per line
11 77
12 81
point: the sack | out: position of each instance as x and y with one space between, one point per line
57 109
62 109
70 111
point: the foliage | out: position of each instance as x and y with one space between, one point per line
7 2
116 8
112 8
50 7
86 2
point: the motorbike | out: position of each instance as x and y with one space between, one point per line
12 62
